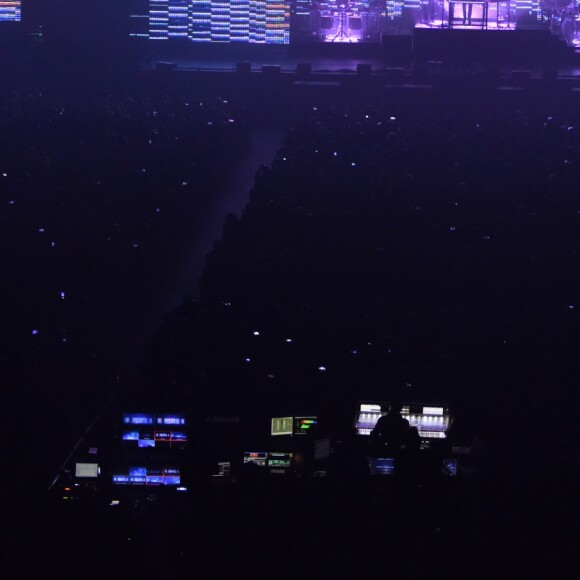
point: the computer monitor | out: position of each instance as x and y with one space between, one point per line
148 476
144 437
382 465
304 425
87 470
172 420
279 460
282 425
256 457
130 436
449 468
138 419
170 437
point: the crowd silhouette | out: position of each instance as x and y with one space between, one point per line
385 246
385 249
99 194
420 249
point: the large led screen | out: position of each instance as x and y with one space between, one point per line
10 11
247 21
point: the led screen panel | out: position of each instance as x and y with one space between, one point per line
283 21
221 21
10 11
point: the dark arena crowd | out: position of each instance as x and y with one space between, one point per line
409 245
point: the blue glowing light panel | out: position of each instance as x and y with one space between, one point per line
147 476
249 21
137 419
150 430
10 11
382 466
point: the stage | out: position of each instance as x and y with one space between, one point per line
408 43
351 23
534 48
386 32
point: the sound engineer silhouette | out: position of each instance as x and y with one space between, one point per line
391 433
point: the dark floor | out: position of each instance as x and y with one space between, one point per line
288 529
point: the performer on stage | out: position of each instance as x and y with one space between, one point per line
428 9
467 10
315 9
